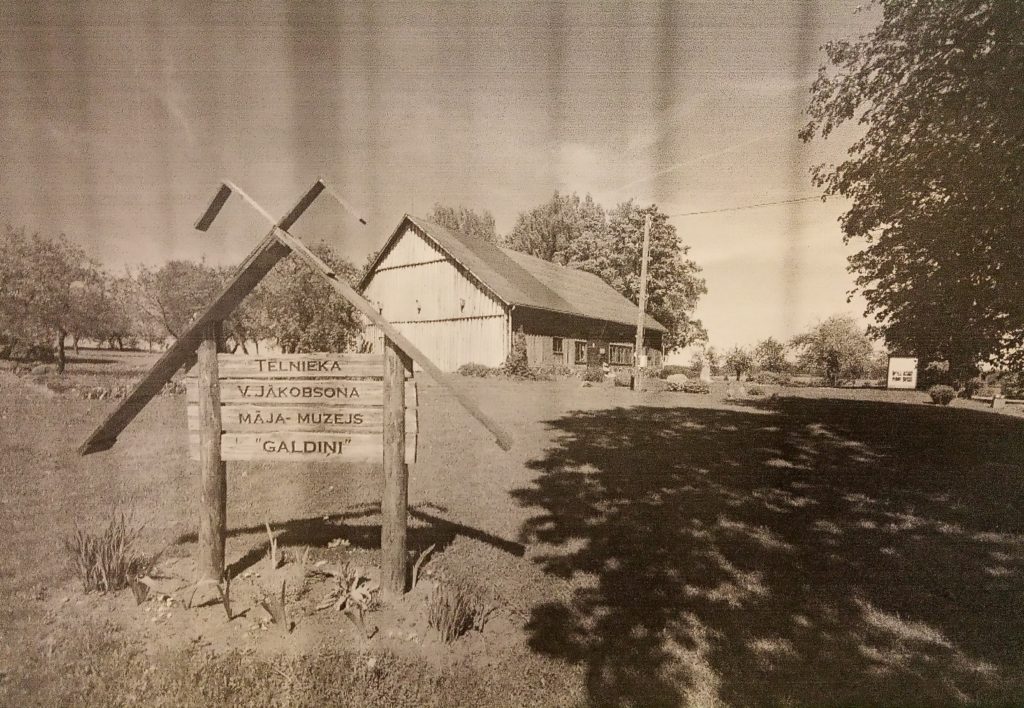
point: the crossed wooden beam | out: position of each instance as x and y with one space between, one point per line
277 244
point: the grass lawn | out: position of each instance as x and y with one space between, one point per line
825 547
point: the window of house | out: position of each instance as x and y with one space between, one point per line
556 347
581 353
621 354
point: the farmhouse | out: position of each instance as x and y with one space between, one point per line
460 299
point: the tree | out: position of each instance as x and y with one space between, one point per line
837 347
39 277
296 307
465 221
563 230
739 360
770 355
714 360
936 177
576 234
172 295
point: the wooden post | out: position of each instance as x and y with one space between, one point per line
642 305
395 502
212 470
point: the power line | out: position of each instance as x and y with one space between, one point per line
748 206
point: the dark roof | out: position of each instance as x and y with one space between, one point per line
526 281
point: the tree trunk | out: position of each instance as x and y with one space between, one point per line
61 356
74 343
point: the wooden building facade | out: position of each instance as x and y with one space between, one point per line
461 298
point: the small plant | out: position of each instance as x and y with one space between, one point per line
274 558
108 561
477 370
454 608
517 365
356 591
593 374
941 394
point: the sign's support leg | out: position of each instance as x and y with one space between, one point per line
395 501
212 469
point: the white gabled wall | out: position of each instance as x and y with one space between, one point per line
431 301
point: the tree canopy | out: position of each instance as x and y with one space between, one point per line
837 347
465 221
578 233
935 178
297 308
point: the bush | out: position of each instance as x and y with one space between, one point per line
942 395
973 387
108 561
755 390
453 609
624 377
1012 385
478 370
693 387
670 369
772 378
517 364
594 374
553 371
652 372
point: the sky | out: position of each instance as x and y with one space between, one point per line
119 120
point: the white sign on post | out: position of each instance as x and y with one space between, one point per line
902 372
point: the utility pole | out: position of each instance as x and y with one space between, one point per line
638 358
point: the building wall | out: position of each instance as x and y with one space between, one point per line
429 299
595 338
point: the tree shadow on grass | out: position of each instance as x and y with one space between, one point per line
425 530
818 552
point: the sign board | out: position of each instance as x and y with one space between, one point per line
302 407
902 372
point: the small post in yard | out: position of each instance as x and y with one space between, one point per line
642 305
395 500
212 469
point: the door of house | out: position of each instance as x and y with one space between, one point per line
597 352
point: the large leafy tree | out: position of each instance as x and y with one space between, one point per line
562 229
173 294
298 309
579 234
465 221
770 355
936 175
674 283
41 281
837 347
739 360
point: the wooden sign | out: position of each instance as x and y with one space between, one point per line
301 407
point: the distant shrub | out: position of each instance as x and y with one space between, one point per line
670 369
552 371
1012 385
108 560
653 372
941 394
755 390
624 377
594 374
973 387
772 378
478 370
696 387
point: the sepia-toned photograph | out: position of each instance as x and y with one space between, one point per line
471 353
